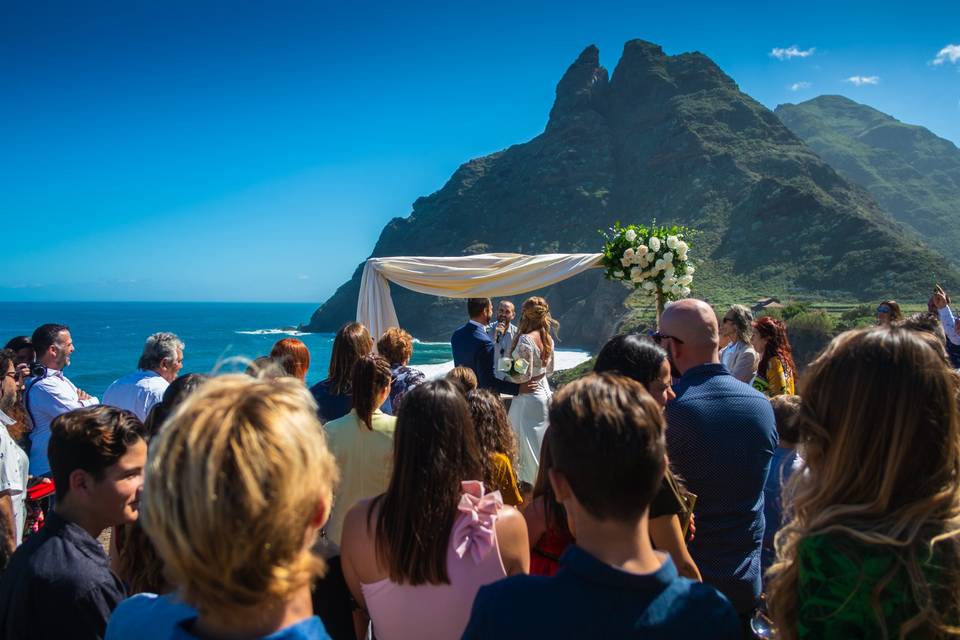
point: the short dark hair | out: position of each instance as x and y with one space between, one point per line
19 342
476 306
786 409
92 439
46 335
606 437
632 356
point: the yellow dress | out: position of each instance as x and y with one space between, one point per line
779 382
365 459
505 480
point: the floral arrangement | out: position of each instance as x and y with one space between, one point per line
513 367
652 259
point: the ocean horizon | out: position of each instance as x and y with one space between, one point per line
219 336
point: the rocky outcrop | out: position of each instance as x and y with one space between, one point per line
667 137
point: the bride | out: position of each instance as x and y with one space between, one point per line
532 361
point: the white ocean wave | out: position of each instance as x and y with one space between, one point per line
272 332
564 359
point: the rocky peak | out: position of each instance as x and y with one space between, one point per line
582 89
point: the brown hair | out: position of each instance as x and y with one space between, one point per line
786 410
15 411
464 378
494 434
778 345
554 514
866 483
293 356
476 306
371 375
607 440
351 343
535 316
396 345
92 439
896 314
435 448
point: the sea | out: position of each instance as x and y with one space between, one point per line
219 336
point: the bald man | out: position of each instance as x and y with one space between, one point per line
721 435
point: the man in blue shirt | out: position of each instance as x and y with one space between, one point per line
720 439
606 438
59 583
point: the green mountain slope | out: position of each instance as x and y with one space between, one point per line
671 138
913 174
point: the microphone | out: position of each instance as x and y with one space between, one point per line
501 329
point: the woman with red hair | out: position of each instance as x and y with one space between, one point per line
292 356
776 373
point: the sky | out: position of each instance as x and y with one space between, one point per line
253 151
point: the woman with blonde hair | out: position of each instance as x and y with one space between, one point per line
333 394
531 361
871 549
238 485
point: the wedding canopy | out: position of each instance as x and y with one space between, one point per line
486 275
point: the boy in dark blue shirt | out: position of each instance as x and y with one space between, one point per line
606 436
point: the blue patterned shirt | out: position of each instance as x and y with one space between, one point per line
721 435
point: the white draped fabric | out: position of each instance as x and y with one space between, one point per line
481 276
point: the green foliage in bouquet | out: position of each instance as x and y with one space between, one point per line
651 259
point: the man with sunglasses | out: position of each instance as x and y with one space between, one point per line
720 438
51 394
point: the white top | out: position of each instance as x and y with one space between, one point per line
949 322
501 347
136 392
14 467
528 350
46 398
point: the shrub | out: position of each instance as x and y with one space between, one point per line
809 333
794 309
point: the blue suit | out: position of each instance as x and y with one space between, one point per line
473 348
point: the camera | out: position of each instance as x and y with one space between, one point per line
37 370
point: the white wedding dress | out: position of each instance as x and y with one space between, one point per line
528 411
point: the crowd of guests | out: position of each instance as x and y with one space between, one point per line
679 487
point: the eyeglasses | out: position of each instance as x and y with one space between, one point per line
662 336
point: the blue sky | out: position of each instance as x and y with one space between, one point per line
254 150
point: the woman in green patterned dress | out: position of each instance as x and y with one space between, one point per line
872 549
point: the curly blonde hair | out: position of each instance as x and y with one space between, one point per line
870 403
535 317
233 488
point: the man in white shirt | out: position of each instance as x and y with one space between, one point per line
160 362
52 394
13 465
502 332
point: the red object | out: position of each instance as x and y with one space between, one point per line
40 490
545 556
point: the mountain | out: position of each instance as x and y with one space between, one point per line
913 174
666 137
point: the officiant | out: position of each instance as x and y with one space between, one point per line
502 332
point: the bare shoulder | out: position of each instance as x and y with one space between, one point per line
355 523
510 523
513 541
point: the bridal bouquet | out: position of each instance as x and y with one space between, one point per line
652 259
513 367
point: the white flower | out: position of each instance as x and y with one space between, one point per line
690 269
642 249
644 261
618 274
682 256
649 285
625 262
669 269
628 254
636 274
672 241
682 246
685 292
630 235
659 265
654 244
668 257
676 289
685 280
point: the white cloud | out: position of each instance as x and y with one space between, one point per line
791 52
862 80
950 53
797 86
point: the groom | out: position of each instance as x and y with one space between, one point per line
473 348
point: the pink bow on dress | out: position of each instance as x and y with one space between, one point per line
474 529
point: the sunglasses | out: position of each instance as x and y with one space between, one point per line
883 309
658 337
